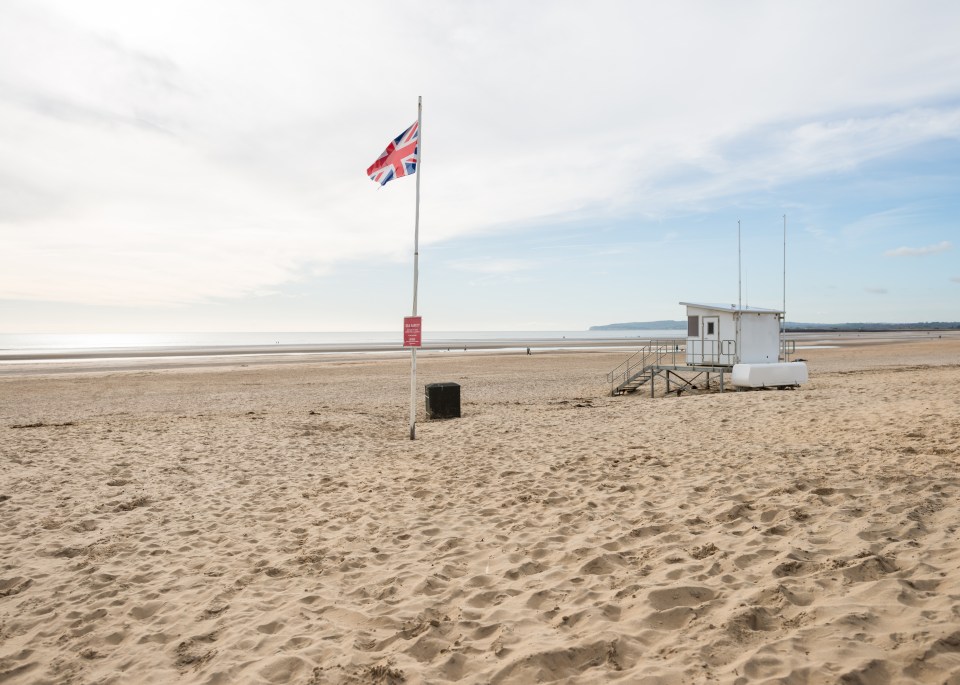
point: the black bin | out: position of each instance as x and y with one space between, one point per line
443 400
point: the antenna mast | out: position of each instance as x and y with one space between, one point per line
783 319
739 314
739 270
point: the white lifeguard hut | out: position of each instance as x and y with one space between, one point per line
725 334
746 340
740 342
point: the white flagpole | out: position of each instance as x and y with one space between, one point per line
416 273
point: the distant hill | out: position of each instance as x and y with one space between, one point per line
642 326
919 326
793 326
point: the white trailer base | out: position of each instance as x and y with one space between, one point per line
769 375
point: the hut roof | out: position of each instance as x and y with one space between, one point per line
733 308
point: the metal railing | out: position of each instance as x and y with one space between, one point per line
653 352
711 352
787 348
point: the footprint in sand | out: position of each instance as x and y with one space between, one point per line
794 567
189 654
14 586
529 568
85 526
146 610
490 598
602 565
743 625
672 597
870 569
214 611
270 628
284 669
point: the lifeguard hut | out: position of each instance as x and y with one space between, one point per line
746 339
724 335
742 342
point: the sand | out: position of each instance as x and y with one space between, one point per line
272 523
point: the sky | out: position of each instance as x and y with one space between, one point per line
184 166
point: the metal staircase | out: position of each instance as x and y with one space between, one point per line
639 368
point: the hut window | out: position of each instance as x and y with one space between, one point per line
709 327
693 326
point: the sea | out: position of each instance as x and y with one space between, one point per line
14 346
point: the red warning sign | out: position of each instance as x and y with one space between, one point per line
412 327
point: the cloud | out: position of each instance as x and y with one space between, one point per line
154 164
955 279
493 266
876 291
943 246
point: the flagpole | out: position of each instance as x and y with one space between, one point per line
416 274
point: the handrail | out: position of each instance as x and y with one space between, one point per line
712 352
788 347
611 375
651 352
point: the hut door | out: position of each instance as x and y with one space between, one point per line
711 339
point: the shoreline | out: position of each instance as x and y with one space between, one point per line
39 362
332 348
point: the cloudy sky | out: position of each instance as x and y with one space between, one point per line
200 166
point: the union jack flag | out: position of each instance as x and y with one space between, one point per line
399 159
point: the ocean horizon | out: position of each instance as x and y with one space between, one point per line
86 342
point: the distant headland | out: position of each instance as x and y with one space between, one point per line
642 326
669 325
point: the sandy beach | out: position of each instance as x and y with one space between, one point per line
272 523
